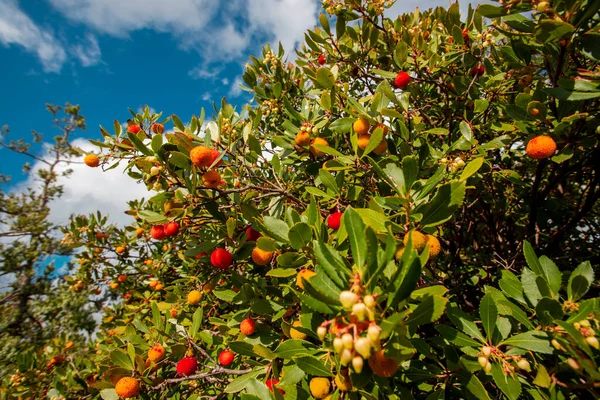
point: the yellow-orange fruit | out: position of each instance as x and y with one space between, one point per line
314 150
139 232
296 334
201 156
343 383
381 147
114 285
363 141
303 138
319 387
208 287
148 262
156 353
122 278
153 284
261 257
127 387
91 160
194 297
211 179
361 126
381 365
434 245
68 345
541 147
305 274
158 286
418 240
383 127
120 250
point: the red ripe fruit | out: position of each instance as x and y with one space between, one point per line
478 70
157 232
171 229
133 128
465 34
215 154
322 59
226 358
273 382
402 80
248 326
252 234
187 366
158 128
333 221
221 258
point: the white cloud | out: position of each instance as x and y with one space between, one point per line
406 6
88 51
206 96
87 190
234 89
16 28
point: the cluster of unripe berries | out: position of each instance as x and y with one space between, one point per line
489 351
270 106
272 60
454 165
332 6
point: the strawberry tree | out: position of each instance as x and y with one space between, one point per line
366 228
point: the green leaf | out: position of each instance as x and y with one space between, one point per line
312 366
258 389
471 168
464 323
580 281
240 383
300 235
488 312
410 171
407 277
532 340
548 310
109 394
196 322
551 30
282 272
542 378
292 375
324 22
429 310
139 145
276 228
465 131
490 11
331 262
508 383
293 348
266 244
356 235
376 220
475 387
590 45
342 125
511 286
551 274
120 359
440 209
456 337
151 216
325 78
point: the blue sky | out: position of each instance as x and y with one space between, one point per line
107 55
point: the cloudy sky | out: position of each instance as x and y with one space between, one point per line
107 55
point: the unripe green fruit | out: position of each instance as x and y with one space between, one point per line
488 368
486 351
360 311
373 333
321 332
369 301
556 345
338 345
357 364
346 357
543 6
593 342
585 323
483 361
348 340
362 345
573 363
524 365
348 299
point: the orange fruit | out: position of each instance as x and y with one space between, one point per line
381 147
314 150
381 365
248 326
127 387
194 297
120 250
434 245
156 353
211 179
303 138
91 160
319 387
418 240
363 141
201 156
261 257
361 127
122 278
541 147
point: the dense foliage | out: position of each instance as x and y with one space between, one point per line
368 229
